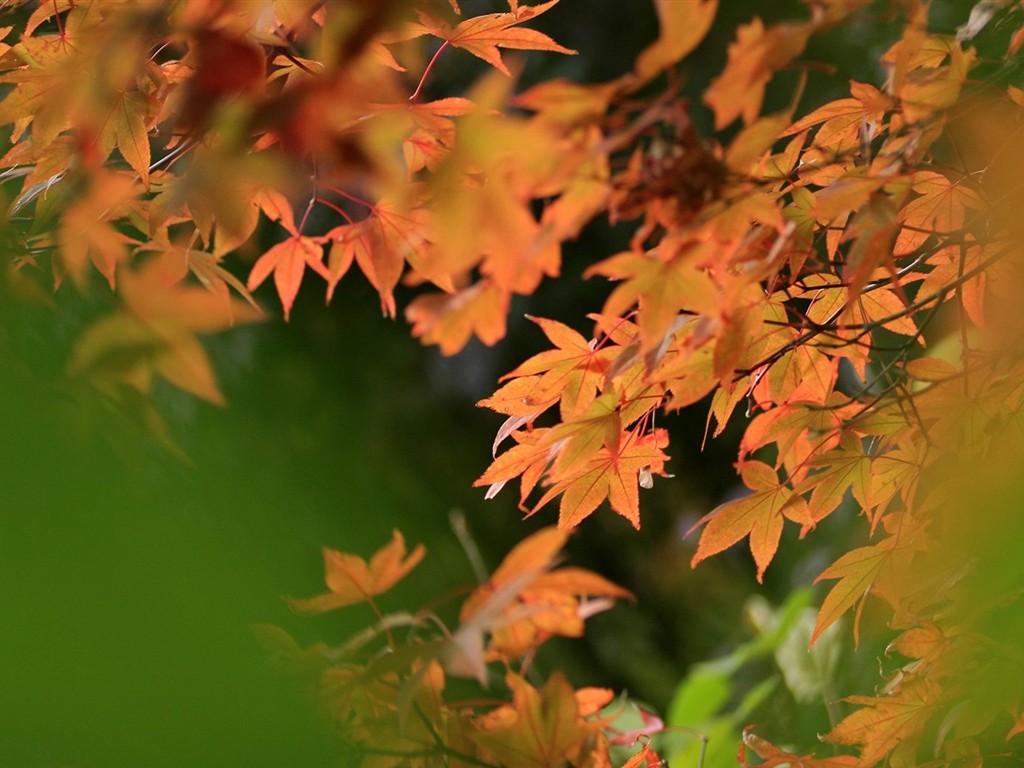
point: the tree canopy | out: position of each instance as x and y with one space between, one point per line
834 277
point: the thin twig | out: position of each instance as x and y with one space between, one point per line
457 520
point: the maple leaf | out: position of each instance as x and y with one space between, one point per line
288 261
839 470
397 233
518 253
128 125
844 195
156 332
754 57
585 434
86 232
431 130
534 558
843 122
555 603
47 79
481 196
688 376
747 149
484 35
525 397
759 515
541 728
206 267
661 287
856 571
683 26
584 197
940 209
884 723
775 757
529 459
926 643
348 243
872 230
806 373
565 102
928 89
524 603
157 294
490 605
612 475
576 368
450 320
738 333
645 758
798 430
351 579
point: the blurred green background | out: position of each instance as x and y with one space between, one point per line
130 577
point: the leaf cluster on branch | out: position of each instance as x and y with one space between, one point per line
390 703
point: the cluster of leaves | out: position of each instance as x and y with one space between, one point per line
833 273
391 704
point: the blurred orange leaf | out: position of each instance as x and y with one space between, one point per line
351 579
683 26
541 728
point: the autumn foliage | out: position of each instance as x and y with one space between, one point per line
843 277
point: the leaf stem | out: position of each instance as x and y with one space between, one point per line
336 208
56 18
457 519
430 66
347 196
312 196
174 154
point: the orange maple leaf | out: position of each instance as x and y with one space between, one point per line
856 572
524 603
600 425
86 233
529 458
775 757
848 468
939 209
398 232
127 127
484 35
612 475
759 515
288 261
883 723
540 728
351 579
645 758
576 368
683 26
753 58
450 320
661 287
156 332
